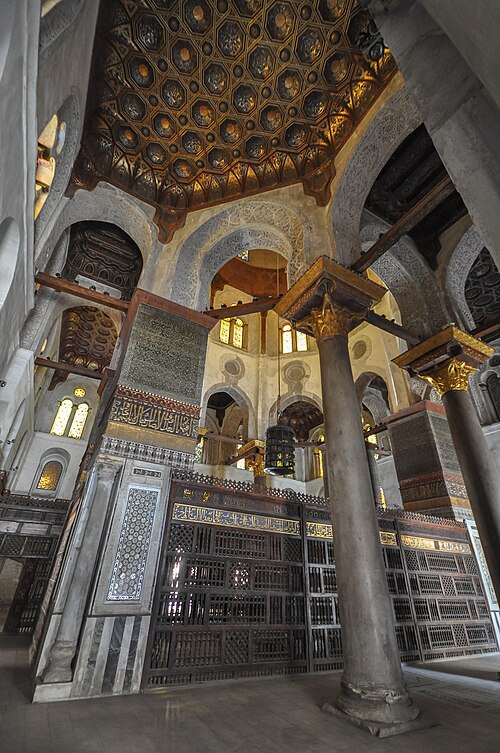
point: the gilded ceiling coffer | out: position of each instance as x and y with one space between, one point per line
199 101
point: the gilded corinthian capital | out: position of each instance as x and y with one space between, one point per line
451 375
332 319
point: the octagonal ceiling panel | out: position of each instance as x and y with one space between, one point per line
193 102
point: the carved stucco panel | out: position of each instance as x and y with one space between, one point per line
238 227
412 283
390 126
459 266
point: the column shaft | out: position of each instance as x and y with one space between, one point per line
480 475
372 683
64 648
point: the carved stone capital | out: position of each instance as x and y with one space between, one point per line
451 375
106 470
331 320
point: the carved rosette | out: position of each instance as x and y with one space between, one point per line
332 320
452 375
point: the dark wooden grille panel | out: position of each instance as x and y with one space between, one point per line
233 602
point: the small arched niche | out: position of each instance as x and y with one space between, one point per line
102 255
227 419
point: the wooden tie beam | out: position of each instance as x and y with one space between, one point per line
68 368
72 288
242 309
422 208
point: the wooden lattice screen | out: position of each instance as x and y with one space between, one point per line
248 589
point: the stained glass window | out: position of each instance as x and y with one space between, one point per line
79 392
301 341
225 329
79 420
50 475
62 417
198 451
243 255
287 338
237 333
292 340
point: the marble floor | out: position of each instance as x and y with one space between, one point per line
263 716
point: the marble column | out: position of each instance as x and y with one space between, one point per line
446 361
459 114
372 694
63 650
372 686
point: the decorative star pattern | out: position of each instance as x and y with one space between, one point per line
194 102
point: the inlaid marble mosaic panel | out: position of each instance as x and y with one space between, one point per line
133 545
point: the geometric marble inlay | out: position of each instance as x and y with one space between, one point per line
133 545
199 101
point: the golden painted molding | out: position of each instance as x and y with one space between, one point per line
452 375
471 345
332 320
150 437
433 545
215 517
344 284
325 531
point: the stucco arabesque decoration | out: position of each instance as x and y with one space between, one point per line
465 254
412 283
105 204
395 120
239 227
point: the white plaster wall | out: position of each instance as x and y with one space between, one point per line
492 436
473 29
40 445
18 65
62 83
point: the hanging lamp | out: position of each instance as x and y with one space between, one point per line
280 439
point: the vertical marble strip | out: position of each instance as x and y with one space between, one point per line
108 681
102 655
123 657
92 655
127 683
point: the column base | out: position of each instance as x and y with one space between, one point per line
376 707
381 729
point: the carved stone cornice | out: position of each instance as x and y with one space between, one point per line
332 320
451 375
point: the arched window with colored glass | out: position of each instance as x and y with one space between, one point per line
49 477
71 417
292 340
232 332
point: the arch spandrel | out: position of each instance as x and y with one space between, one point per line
395 120
238 227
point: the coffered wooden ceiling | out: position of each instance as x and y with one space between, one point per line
194 102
